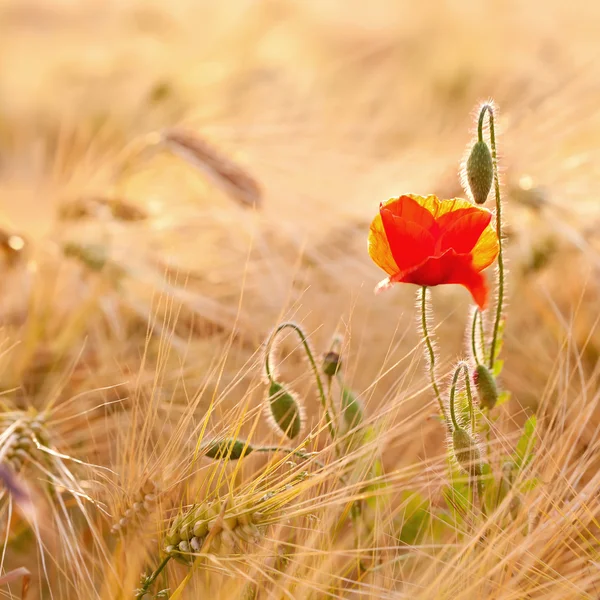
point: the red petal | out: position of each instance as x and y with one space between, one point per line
406 227
450 268
461 229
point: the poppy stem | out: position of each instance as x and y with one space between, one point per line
474 337
311 360
489 108
464 367
430 351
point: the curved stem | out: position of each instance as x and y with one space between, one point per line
464 367
430 352
150 580
313 364
474 336
500 300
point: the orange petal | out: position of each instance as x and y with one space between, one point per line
438 207
486 249
379 248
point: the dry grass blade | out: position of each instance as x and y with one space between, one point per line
227 174
16 574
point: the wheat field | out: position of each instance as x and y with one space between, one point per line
178 179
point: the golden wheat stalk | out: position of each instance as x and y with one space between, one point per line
231 177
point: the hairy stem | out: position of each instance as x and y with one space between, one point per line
500 300
430 351
464 367
474 336
313 364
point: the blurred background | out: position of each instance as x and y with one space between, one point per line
329 107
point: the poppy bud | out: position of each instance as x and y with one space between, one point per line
480 172
228 448
331 364
466 452
486 387
284 410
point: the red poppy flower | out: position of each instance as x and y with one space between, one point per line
426 241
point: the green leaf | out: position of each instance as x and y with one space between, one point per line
458 496
526 444
529 485
498 366
442 523
414 518
503 397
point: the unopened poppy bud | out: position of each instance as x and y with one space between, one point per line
284 410
486 387
352 410
233 449
466 452
332 363
480 171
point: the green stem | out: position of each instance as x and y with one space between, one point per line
464 367
473 336
500 301
430 352
298 453
150 580
313 364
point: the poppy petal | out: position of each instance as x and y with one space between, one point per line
410 243
410 207
450 268
462 229
379 248
437 207
486 249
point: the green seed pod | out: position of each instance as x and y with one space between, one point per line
173 538
185 532
184 546
480 172
352 410
486 387
332 364
284 410
228 448
466 452
200 528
